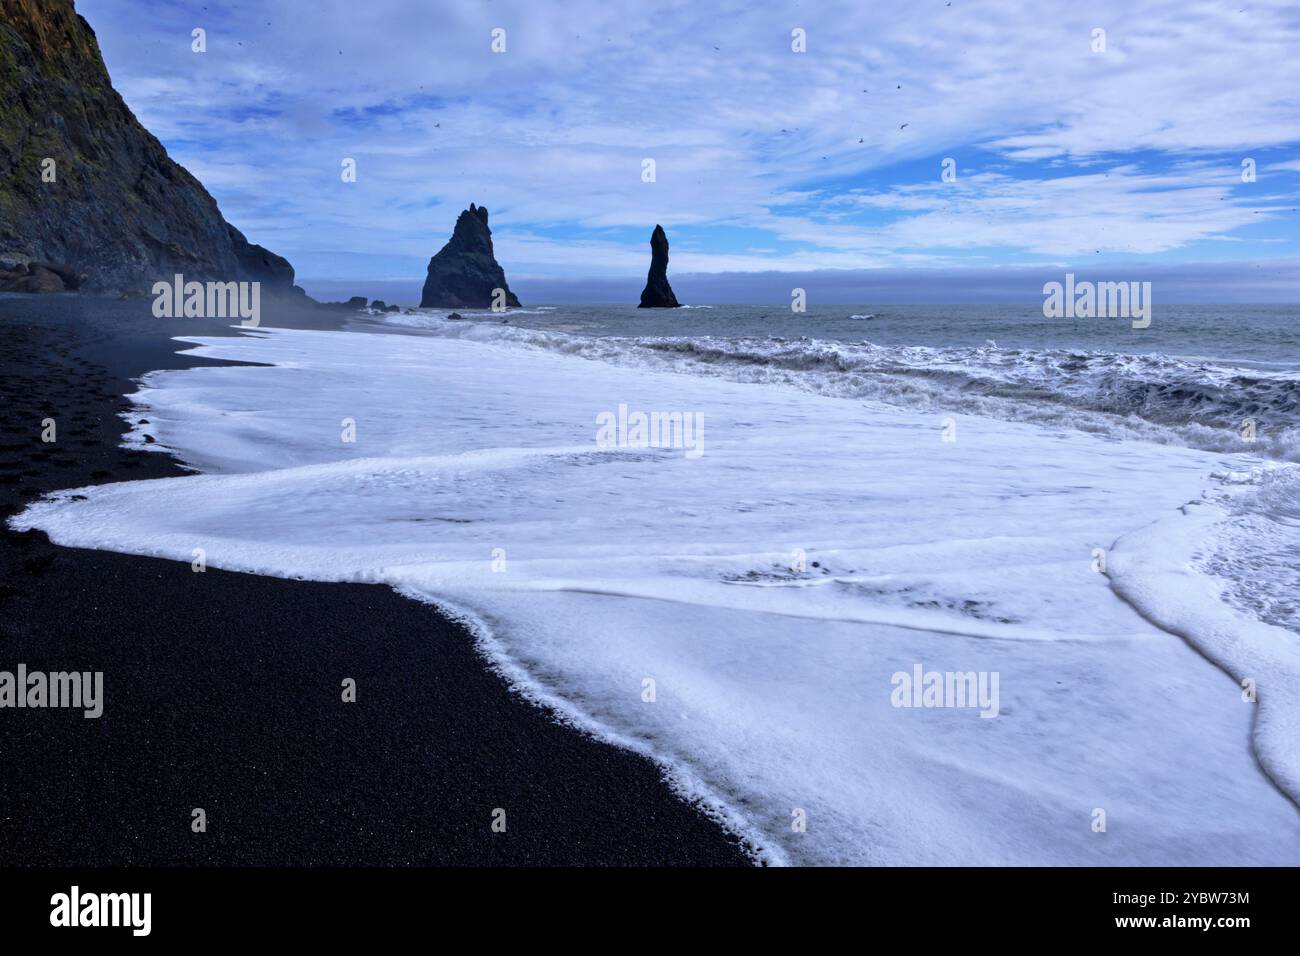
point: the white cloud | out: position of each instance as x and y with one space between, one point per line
746 134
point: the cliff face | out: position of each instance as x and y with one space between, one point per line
118 210
658 294
465 271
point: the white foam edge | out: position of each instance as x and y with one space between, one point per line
1152 569
681 780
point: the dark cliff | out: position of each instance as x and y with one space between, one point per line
119 211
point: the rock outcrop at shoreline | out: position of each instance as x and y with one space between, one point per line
465 273
17 275
86 187
658 294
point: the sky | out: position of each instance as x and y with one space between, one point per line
1103 153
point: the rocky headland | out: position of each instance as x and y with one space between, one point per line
90 199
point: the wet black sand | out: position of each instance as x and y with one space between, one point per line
222 691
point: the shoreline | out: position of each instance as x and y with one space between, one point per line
222 689
761 686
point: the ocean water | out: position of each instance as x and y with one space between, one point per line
1196 376
1263 336
1071 517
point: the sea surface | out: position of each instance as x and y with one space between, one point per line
1074 511
1195 376
1265 336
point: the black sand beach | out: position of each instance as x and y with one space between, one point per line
222 691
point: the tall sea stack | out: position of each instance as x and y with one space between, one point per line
465 273
658 294
89 190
